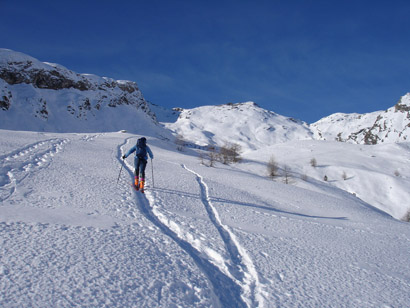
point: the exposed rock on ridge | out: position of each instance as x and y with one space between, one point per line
390 126
30 87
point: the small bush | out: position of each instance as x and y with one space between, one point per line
229 153
201 158
407 216
273 167
286 174
180 143
313 162
211 155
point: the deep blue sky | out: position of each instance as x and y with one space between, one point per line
305 59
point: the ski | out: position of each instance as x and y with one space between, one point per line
136 188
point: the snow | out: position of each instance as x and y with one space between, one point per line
228 236
377 174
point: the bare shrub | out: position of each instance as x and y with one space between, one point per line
201 158
273 167
286 174
211 155
407 216
313 162
344 176
236 150
180 142
229 153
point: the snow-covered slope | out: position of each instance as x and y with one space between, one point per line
245 124
376 174
71 236
390 126
379 174
163 114
40 96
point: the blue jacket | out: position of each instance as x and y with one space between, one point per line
134 149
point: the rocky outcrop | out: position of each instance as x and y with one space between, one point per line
5 99
17 72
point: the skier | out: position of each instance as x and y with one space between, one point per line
140 161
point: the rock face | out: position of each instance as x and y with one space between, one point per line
33 89
390 126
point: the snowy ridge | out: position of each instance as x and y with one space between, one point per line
390 126
41 96
252 127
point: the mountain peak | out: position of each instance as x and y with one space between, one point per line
245 124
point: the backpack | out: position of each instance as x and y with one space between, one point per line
141 148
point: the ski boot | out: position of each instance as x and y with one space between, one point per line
136 183
142 182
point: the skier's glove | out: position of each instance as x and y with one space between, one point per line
123 157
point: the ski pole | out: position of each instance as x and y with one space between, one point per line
120 170
152 171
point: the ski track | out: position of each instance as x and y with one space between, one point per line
242 267
92 137
227 292
17 165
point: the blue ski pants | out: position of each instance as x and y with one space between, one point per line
140 165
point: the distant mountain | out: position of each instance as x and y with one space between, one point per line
390 126
253 127
245 124
42 96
